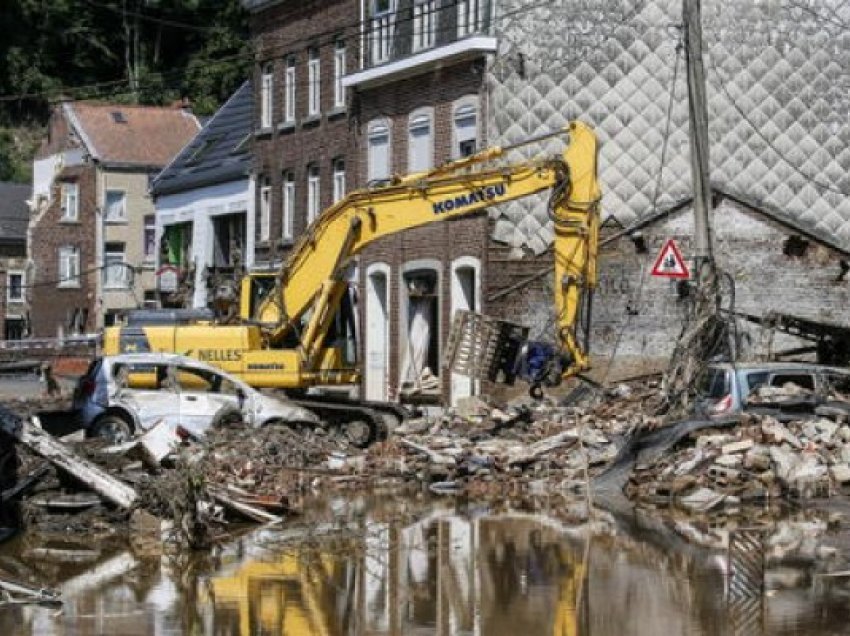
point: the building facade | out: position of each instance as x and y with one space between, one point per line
91 236
205 210
14 214
302 116
420 101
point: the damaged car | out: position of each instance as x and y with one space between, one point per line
727 388
125 395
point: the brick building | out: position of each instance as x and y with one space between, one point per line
14 214
91 237
302 133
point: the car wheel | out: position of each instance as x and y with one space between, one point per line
113 428
227 416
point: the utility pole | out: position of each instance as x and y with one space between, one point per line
698 124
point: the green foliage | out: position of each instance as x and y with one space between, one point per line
103 49
128 51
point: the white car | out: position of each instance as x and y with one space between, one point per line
124 395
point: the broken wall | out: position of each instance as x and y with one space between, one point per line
638 317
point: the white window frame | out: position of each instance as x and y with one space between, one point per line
19 298
121 217
288 207
378 129
265 209
470 16
462 110
314 84
420 148
313 192
115 275
381 29
148 225
339 73
289 90
267 95
424 24
339 178
70 201
69 266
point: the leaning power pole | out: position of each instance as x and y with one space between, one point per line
706 334
698 124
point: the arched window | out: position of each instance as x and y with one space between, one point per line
420 141
378 140
465 127
339 178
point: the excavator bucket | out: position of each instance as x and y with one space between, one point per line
484 348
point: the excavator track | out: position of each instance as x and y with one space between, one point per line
380 417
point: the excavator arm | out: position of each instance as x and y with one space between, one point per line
311 283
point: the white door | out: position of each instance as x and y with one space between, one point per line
377 335
464 296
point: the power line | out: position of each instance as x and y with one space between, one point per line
153 19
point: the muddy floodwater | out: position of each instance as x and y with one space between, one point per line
362 566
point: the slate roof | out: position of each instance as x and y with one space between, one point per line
121 135
14 212
219 153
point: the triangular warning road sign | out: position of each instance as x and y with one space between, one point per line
670 263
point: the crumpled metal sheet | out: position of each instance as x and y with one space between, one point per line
779 104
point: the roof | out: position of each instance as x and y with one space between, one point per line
777 108
217 154
132 136
14 211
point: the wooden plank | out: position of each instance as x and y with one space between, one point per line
110 488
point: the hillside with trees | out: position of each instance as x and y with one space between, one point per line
128 51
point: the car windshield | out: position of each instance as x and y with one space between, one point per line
713 384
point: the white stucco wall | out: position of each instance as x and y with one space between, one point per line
199 206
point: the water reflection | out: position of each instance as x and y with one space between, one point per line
448 572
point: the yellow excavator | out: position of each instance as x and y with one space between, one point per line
282 336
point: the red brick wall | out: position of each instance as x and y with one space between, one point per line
52 305
445 241
292 28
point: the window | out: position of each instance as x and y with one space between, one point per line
339 178
116 205
339 73
314 80
69 267
228 239
465 130
265 209
378 151
424 21
70 202
266 96
115 273
470 16
149 237
312 193
289 89
15 287
288 205
381 29
420 145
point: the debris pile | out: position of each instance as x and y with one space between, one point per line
522 448
761 458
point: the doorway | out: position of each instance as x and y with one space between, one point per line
377 332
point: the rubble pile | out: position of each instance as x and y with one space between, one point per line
761 458
531 448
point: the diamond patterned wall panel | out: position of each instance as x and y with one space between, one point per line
778 74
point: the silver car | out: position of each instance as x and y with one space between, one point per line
123 395
723 388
